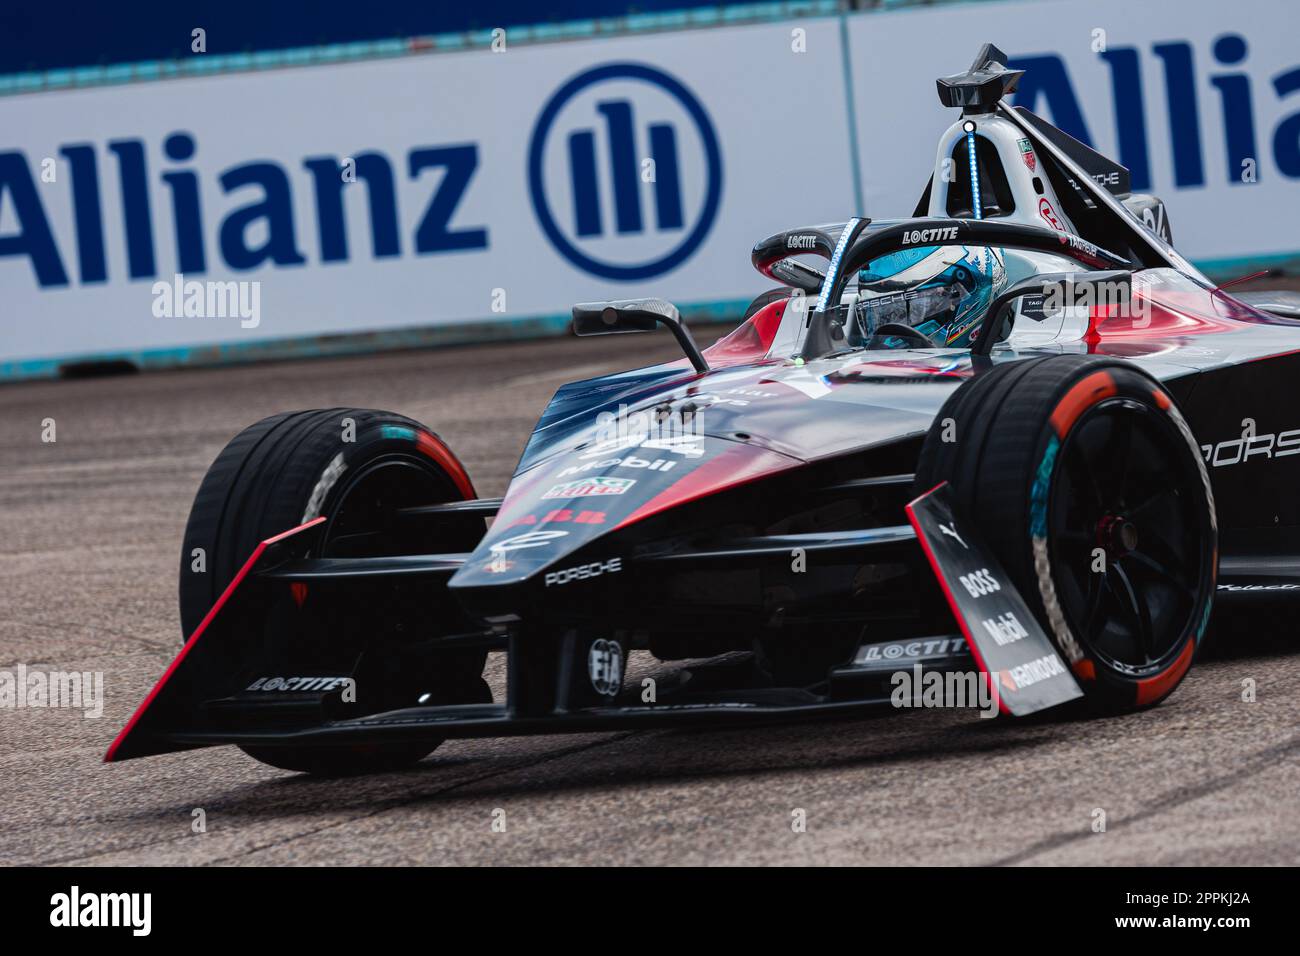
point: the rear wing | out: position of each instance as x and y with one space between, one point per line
1097 210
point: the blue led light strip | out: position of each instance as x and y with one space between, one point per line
977 206
834 269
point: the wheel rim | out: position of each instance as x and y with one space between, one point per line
363 520
1128 535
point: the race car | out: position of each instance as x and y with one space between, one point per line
1015 436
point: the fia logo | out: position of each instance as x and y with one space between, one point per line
624 171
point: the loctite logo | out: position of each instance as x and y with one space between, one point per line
298 684
925 647
943 234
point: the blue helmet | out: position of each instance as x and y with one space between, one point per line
942 292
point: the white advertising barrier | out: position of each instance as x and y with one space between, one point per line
426 192
1201 100
412 192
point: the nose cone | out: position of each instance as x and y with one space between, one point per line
578 498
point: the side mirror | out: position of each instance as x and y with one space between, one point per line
636 315
1113 286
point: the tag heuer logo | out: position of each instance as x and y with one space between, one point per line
590 487
1027 154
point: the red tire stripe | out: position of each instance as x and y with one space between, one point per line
441 454
1152 689
1088 392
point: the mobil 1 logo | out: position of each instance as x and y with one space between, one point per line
1023 667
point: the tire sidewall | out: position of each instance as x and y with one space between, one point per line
1002 466
285 471
1107 686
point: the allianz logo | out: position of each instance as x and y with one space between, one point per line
1048 90
120 184
255 227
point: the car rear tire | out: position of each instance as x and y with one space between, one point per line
355 467
1084 480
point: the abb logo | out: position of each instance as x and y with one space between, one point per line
561 515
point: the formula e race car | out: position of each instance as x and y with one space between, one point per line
1016 437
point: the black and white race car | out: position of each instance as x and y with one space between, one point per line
1016 436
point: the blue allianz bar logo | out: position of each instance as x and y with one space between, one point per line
1179 69
114 188
1187 116
624 171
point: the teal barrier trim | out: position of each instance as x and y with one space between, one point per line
208 64
1237 266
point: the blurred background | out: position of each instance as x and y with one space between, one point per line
386 175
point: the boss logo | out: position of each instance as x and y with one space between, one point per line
979 583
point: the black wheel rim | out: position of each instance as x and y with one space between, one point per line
1128 535
362 517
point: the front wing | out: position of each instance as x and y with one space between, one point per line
212 693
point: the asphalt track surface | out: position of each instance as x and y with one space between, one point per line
90 528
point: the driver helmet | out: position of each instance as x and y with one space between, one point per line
942 292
